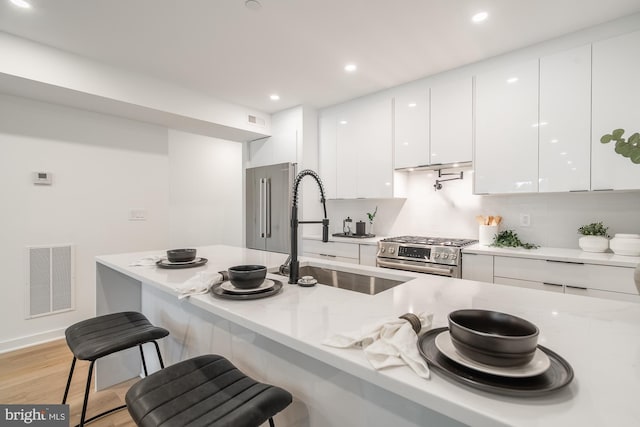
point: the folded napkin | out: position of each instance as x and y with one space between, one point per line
389 342
149 260
199 284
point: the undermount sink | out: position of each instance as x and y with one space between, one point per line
357 282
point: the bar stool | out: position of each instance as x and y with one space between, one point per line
204 391
94 338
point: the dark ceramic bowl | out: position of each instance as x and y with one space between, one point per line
181 255
247 276
492 337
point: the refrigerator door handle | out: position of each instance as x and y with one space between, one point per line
268 207
261 214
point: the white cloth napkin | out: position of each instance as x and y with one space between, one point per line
199 284
149 260
389 342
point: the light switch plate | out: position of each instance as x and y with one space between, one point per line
137 215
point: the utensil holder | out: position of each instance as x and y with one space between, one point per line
486 233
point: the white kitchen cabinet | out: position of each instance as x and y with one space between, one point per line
451 122
327 137
565 121
616 91
363 149
529 284
334 251
368 254
506 129
411 127
477 267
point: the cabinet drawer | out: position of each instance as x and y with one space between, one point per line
327 257
602 294
477 267
522 268
603 277
338 249
368 254
551 287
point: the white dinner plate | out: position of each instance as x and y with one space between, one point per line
536 366
267 284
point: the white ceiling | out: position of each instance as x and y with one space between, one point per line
298 48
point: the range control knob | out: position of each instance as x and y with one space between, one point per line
437 255
391 250
453 256
445 256
382 249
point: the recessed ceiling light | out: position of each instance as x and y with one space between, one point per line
343 122
251 4
350 68
512 80
413 104
274 97
479 17
21 3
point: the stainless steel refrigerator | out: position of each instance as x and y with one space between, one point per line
268 204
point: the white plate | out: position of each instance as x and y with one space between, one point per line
267 284
536 366
193 261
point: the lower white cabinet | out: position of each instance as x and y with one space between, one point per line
368 254
334 251
477 267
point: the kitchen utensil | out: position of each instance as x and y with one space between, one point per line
559 374
361 228
492 337
219 292
346 226
247 276
536 366
264 286
181 255
480 219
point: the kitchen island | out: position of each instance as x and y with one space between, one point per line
279 340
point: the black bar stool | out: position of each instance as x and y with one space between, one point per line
204 391
103 335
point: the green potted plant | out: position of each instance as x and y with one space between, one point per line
594 237
627 148
372 216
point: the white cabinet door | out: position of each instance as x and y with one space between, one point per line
327 151
506 130
375 151
349 121
477 267
565 121
368 254
411 127
616 91
451 122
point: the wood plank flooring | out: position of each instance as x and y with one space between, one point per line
38 375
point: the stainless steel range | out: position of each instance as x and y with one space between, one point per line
432 255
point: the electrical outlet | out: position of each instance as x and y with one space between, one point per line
525 220
137 215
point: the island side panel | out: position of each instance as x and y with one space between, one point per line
117 292
323 395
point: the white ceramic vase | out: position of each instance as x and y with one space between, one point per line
593 243
626 244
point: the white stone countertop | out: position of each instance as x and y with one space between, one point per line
558 254
599 338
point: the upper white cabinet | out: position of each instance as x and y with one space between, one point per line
506 145
411 127
616 91
451 122
356 149
565 121
327 130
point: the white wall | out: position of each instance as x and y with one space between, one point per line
190 187
205 187
102 167
451 212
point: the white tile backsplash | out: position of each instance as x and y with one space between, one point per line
451 211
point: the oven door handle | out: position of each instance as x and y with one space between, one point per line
415 267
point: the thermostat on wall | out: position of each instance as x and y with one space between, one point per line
42 178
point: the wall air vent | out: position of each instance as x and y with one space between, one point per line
256 120
50 280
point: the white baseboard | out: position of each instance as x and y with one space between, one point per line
28 341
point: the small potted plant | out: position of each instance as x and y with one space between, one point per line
372 217
594 237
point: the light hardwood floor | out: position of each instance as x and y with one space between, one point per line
38 375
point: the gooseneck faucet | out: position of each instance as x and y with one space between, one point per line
293 263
